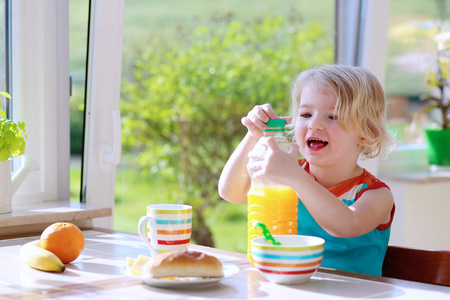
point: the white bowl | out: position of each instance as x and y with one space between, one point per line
293 262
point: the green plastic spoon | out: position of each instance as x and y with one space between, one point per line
266 232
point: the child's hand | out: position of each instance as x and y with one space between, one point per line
258 116
276 165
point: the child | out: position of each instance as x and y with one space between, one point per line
338 114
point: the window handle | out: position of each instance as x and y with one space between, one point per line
111 155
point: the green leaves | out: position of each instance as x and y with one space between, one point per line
12 135
5 94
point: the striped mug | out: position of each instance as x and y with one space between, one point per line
166 227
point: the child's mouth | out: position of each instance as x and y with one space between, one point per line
316 144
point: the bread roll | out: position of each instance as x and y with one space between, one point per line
183 264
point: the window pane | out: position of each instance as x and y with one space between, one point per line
410 53
78 26
191 70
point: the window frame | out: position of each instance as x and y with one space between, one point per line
40 48
40 95
102 146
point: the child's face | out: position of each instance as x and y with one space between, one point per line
320 137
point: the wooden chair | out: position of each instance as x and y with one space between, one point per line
427 266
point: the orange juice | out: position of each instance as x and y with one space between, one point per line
277 208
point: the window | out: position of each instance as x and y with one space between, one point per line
41 91
78 42
157 36
154 29
409 54
41 71
102 148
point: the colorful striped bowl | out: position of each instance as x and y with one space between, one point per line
293 262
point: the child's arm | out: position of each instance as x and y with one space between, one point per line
234 182
372 208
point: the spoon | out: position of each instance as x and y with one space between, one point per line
266 232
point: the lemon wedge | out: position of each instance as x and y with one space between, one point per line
137 265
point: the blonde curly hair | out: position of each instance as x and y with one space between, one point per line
361 104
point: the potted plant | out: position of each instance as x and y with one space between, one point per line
437 78
12 144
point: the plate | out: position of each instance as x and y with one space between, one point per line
190 282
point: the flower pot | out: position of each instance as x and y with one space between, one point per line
5 186
438 148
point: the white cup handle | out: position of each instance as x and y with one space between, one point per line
143 233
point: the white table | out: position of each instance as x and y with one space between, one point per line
98 273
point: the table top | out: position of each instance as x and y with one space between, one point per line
98 273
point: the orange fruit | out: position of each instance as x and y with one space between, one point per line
65 240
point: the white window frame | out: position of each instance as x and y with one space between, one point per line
102 148
40 90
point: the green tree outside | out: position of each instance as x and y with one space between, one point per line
182 103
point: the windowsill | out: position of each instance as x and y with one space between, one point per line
35 217
405 159
416 177
409 164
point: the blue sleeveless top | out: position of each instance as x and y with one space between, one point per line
363 254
